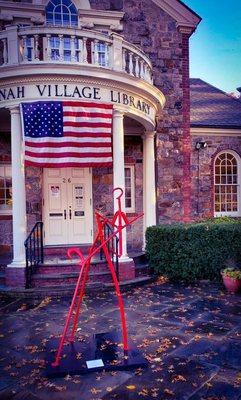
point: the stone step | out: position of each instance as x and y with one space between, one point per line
68 290
142 269
64 279
2 278
139 258
60 266
62 250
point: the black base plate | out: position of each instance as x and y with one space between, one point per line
105 347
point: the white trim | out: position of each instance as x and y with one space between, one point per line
6 211
231 213
133 197
215 131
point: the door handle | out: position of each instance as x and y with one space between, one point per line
70 214
65 214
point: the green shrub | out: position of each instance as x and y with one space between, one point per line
193 251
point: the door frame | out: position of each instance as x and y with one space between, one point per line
45 211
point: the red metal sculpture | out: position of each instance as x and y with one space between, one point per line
118 223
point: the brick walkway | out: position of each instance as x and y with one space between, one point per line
191 336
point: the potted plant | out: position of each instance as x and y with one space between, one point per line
231 279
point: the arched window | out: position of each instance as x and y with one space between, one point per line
227 184
62 13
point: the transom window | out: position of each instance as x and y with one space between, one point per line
226 181
5 189
130 188
62 13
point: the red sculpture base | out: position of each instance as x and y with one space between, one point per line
103 352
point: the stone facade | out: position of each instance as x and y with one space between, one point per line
152 29
202 162
147 26
103 187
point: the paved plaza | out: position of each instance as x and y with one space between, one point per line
190 335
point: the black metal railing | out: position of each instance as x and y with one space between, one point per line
34 250
112 246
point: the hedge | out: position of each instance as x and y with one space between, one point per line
194 251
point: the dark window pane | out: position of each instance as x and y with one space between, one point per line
50 7
128 203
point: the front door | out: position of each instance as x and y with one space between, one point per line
68 217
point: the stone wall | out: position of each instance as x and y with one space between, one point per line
202 171
33 179
34 190
147 26
103 187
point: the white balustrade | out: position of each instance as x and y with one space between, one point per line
5 51
124 60
67 45
74 56
48 50
137 68
95 52
25 49
36 47
84 50
61 48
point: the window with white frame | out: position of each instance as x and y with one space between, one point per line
66 41
227 185
5 189
130 188
62 13
102 51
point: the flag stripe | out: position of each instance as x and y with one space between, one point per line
72 159
85 104
67 154
86 124
65 144
70 149
68 133
80 164
86 114
93 131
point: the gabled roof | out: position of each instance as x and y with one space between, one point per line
213 108
184 16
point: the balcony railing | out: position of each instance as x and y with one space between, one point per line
38 45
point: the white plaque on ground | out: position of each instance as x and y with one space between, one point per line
94 363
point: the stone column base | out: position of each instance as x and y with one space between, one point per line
15 276
126 270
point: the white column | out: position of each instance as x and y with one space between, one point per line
119 167
18 190
149 192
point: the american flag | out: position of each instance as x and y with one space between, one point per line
67 134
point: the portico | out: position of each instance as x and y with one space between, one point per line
19 184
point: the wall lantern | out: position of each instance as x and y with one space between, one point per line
201 145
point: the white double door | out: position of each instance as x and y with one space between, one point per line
67 206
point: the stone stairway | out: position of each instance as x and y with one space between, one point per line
58 275
2 275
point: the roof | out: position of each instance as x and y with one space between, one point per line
213 108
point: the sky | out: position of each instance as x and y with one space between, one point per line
215 47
